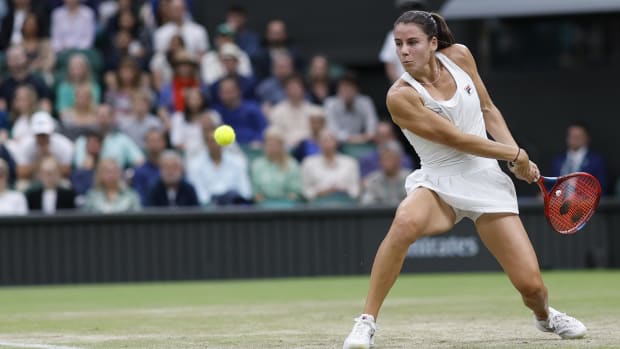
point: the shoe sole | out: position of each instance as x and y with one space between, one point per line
579 336
360 346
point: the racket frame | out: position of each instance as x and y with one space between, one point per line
551 183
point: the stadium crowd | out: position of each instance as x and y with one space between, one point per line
110 106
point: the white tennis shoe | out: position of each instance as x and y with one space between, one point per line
561 324
362 334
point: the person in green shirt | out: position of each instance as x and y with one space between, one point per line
78 73
275 176
110 194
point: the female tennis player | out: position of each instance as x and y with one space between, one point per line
444 110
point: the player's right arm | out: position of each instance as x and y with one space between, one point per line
408 111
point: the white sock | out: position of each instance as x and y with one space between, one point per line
367 316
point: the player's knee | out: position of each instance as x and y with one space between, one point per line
406 228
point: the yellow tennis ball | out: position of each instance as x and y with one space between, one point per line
224 135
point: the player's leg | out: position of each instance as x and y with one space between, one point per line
506 238
422 213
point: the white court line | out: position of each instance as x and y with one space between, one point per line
35 346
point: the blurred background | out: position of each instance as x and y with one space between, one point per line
110 173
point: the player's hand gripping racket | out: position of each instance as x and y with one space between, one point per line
570 200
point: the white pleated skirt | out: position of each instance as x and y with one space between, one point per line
477 185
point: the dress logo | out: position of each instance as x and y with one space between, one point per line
468 89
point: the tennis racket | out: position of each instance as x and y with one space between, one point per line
570 200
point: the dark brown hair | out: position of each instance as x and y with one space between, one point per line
432 24
128 62
295 77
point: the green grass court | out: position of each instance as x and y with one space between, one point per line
473 310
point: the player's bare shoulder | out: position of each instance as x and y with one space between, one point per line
461 55
402 99
400 91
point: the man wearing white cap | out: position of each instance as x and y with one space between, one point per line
217 63
43 142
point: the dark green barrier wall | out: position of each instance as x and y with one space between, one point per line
194 245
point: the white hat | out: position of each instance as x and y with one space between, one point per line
42 123
230 50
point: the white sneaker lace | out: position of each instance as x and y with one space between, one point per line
364 327
561 321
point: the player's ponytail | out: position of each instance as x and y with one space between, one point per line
444 34
432 24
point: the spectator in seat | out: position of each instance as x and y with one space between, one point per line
244 116
83 114
73 26
371 162
122 45
135 42
271 90
42 143
41 57
319 68
220 176
50 196
24 105
386 186
12 202
78 73
329 173
122 85
212 65
116 145
310 145
230 57
171 189
292 116
161 63
83 174
186 126
112 20
146 174
579 157
185 76
110 13
320 79
194 35
320 90
12 28
276 175
19 75
246 39
110 194
276 42
137 124
6 155
351 115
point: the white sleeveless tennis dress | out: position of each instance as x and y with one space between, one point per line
470 184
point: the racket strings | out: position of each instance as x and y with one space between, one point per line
572 202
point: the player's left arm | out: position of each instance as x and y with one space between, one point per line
494 121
